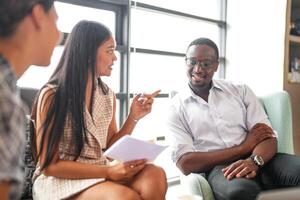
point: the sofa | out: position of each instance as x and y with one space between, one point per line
28 95
278 108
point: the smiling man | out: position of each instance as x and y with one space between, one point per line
221 129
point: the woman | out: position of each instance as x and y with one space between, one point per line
75 121
28 35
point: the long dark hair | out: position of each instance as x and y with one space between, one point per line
14 11
70 81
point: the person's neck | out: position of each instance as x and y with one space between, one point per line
14 51
202 92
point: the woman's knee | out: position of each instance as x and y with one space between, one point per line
152 178
126 194
155 174
108 191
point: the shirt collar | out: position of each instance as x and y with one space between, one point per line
188 92
7 72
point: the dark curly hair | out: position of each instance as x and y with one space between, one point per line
12 12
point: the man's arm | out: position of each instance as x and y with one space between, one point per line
266 149
203 161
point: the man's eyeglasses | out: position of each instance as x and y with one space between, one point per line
205 64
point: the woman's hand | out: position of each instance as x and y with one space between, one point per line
142 105
125 171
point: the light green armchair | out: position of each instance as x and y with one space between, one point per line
278 108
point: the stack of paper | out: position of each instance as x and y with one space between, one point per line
128 148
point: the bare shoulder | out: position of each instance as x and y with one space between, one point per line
45 97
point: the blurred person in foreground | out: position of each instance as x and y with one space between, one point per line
28 35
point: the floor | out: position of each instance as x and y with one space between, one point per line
174 192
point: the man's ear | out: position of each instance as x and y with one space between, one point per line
37 15
217 65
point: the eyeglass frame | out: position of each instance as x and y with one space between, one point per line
200 62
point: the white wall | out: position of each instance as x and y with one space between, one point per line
255 43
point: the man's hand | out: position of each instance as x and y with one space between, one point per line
256 135
241 168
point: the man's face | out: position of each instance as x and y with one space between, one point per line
201 65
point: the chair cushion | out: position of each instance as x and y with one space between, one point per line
197 184
29 167
278 108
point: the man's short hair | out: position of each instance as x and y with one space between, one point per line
205 41
12 12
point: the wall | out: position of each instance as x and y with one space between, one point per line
255 43
255 49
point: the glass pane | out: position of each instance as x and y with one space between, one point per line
36 77
151 72
203 8
178 34
152 126
164 160
70 14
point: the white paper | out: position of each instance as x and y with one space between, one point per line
128 148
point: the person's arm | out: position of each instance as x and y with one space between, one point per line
76 170
266 149
203 161
4 190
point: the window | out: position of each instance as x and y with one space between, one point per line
158 49
205 8
150 72
160 34
169 33
152 37
69 15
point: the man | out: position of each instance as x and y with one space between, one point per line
221 129
28 35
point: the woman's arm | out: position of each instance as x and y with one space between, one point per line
4 190
76 170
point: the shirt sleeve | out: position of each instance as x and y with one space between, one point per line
12 124
181 139
255 111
